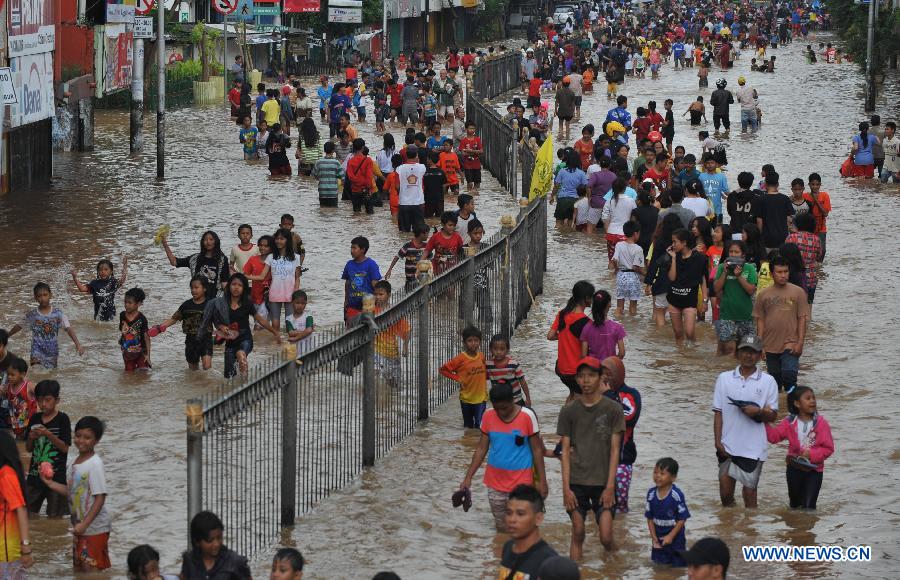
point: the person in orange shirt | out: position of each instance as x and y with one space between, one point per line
585 146
449 164
391 341
587 80
392 184
469 370
821 207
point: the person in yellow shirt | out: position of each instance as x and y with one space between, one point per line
469 370
271 108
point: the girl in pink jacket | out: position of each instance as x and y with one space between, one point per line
809 445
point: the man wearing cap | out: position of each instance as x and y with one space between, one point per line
591 429
745 399
707 559
749 99
564 108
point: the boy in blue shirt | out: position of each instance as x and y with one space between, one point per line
248 137
715 184
360 275
666 513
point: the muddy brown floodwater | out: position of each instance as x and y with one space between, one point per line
398 515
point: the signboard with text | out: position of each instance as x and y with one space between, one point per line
120 11
7 87
33 81
300 6
31 27
345 15
118 58
143 26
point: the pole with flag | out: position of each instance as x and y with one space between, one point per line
542 176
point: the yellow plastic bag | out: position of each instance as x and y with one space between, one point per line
161 233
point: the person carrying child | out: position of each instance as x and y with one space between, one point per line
809 444
468 368
103 288
45 321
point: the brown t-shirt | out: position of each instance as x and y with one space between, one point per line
565 102
590 430
780 309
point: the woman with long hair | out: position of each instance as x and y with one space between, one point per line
657 278
861 148
309 146
210 262
17 553
756 249
687 274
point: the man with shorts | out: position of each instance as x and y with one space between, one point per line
471 149
591 428
576 81
745 399
564 108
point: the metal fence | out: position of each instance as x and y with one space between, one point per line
261 451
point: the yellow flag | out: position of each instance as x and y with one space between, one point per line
542 176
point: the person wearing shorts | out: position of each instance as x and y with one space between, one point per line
195 350
565 189
745 400
591 429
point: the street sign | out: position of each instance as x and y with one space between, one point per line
313 41
143 8
143 27
245 10
266 9
7 89
224 7
345 15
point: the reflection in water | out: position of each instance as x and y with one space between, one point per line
398 515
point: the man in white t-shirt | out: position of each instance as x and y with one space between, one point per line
411 194
575 83
745 399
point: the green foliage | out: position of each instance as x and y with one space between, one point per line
190 69
372 12
851 21
489 24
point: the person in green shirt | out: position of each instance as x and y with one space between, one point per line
734 285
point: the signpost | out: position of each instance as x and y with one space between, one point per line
143 29
7 88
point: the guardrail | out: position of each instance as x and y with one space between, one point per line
262 451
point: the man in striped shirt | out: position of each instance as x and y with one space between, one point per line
328 171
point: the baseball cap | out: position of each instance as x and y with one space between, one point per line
708 551
591 362
751 341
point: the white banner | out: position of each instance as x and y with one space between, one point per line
31 27
7 88
143 26
33 80
119 14
345 15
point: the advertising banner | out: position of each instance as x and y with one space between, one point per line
31 27
120 11
33 80
118 56
300 6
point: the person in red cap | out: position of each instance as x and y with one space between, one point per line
591 428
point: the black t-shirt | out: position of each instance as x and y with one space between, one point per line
133 334
646 215
240 321
433 185
214 269
668 129
104 294
689 272
774 210
44 450
276 149
191 314
740 207
524 566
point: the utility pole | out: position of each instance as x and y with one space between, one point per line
137 98
384 33
870 45
161 91
225 59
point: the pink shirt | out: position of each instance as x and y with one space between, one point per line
602 340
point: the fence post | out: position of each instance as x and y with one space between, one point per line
423 353
194 415
507 223
289 444
468 290
513 181
368 423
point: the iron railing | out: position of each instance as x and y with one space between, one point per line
261 451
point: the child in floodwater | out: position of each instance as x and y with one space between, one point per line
45 321
103 288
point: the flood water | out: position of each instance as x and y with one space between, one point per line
104 204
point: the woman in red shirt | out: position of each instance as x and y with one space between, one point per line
360 173
566 329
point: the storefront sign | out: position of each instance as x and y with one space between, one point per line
31 27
